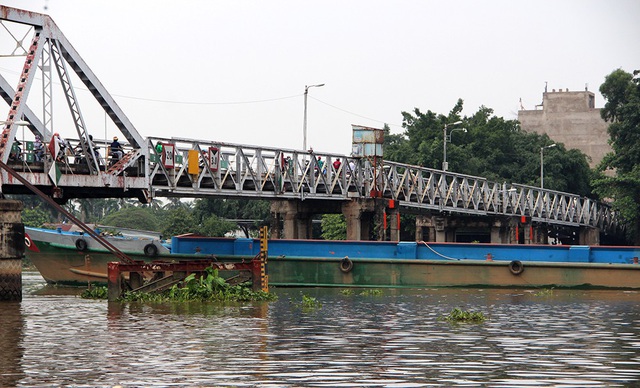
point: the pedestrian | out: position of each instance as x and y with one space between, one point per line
16 151
319 165
38 149
61 145
116 149
352 168
336 164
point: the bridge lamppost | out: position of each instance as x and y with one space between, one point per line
447 138
542 163
304 122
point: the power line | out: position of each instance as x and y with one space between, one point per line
232 102
355 114
207 103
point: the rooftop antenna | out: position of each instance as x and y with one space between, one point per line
586 87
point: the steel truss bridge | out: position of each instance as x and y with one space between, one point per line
180 167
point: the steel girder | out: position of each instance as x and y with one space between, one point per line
263 172
50 47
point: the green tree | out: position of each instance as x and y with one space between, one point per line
622 110
492 147
334 227
133 217
214 226
33 202
92 210
35 217
178 221
234 209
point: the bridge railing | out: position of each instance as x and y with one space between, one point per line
446 191
245 170
250 171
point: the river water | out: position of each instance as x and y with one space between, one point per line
396 339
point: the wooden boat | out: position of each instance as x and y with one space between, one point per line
62 259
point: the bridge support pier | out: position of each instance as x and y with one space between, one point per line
497 234
589 236
291 220
11 250
424 229
393 219
359 214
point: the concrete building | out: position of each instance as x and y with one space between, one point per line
570 118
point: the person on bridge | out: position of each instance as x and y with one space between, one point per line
58 147
117 152
319 165
16 152
38 149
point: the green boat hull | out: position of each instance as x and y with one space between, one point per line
68 266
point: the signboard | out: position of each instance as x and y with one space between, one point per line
367 141
168 155
193 162
214 158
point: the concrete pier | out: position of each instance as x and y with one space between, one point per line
11 250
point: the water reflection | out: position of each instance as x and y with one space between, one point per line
562 338
11 348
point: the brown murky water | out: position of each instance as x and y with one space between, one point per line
563 338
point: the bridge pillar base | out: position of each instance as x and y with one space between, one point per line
11 250
393 219
290 220
589 236
359 214
497 236
424 228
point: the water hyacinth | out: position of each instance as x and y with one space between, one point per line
209 287
459 316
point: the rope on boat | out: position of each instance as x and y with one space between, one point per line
437 253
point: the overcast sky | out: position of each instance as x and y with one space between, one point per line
235 71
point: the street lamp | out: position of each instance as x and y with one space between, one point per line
542 163
304 123
447 138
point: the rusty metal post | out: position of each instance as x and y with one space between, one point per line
264 254
11 250
114 282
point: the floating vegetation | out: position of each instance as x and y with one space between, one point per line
545 292
209 287
350 292
375 292
99 292
459 316
309 302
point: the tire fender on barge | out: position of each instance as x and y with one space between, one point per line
81 244
516 267
346 265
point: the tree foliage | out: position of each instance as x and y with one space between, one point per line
215 226
178 221
132 217
34 217
491 147
622 110
334 227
